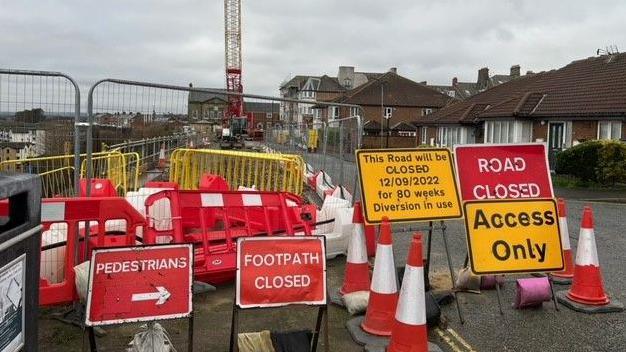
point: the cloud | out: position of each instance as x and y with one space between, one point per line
182 41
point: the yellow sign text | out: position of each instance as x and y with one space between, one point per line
408 185
514 236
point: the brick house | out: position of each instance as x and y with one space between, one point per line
318 88
391 105
209 108
264 114
583 100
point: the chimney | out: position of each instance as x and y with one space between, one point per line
423 82
455 81
515 71
483 78
345 76
190 85
394 70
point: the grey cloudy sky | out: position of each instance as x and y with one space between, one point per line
181 41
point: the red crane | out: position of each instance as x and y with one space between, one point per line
232 24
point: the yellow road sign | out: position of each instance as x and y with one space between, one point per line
513 236
408 185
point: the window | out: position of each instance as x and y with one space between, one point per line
268 116
347 83
451 136
407 133
424 135
451 93
354 112
610 130
508 131
427 111
334 112
388 113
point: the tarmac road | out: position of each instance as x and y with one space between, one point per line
543 329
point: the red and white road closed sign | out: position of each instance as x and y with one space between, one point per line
139 284
278 271
503 171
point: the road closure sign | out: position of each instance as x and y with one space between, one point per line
144 283
503 171
279 271
408 185
513 236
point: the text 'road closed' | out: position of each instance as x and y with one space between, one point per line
274 271
408 185
513 236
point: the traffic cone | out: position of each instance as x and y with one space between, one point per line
587 286
568 270
357 276
384 290
408 333
162 160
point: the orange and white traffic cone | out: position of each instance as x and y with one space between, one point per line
162 160
587 285
587 292
409 333
568 271
357 275
384 290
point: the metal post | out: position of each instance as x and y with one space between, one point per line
387 134
341 161
456 299
324 146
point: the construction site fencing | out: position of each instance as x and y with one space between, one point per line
261 171
325 146
142 107
40 116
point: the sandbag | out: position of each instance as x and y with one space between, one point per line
467 281
153 338
292 341
81 280
356 302
255 342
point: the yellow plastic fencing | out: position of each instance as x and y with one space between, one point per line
266 172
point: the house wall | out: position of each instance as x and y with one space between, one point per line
371 142
584 130
261 117
400 114
540 131
8 154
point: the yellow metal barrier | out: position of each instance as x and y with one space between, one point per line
267 172
58 182
122 169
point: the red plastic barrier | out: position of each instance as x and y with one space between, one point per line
100 187
161 184
214 220
214 183
73 212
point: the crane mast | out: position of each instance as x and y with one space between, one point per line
232 23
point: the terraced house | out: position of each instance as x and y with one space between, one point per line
583 100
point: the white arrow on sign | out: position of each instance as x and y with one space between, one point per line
161 296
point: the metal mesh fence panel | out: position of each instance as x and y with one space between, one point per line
38 115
